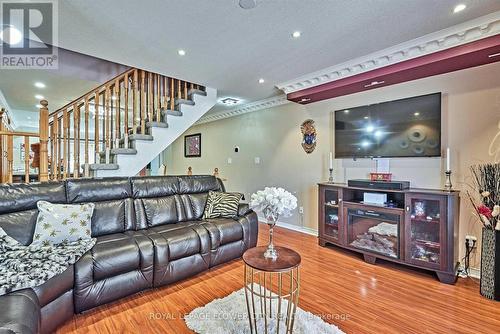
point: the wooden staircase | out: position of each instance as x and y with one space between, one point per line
119 127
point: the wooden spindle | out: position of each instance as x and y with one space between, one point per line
107 126
51 148
26 159
76 141
118 113
179 89
125 112
165 93
143 103
55 158
96 127
65 156
10 158
158 98
150 97
135 95
87 111
43 170
185 90
171 94
59 147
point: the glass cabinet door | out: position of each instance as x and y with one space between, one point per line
425 221
332 212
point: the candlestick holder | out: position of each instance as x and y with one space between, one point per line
330 179
447 183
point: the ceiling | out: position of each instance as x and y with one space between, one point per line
76 75
230 48
227 47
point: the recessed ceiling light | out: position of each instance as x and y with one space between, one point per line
261 81
38 106
247 4
459 8
494 55
304 99
39 97
229 101
181 52
366 117
416 114
11 35
39 85
296 34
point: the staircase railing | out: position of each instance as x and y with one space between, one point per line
88 128
38 161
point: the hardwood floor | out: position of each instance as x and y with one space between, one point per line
338 285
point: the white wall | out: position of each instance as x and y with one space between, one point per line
471 113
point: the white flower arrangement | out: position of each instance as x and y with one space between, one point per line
274 202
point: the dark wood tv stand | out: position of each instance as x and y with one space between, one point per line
418 228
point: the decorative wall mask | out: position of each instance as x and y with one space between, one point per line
308 135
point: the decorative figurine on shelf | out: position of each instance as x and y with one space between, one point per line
216 172
330 167
308 135
419 208
190 171
273 202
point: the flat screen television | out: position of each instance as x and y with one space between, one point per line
408 127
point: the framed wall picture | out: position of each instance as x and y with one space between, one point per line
192 146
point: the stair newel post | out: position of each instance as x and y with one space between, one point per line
96 127
143 103
171 94
118 113
87 111
125 112
107 125
65 156
76 140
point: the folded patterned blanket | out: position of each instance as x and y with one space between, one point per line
24 267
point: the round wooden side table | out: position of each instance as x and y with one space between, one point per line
272 288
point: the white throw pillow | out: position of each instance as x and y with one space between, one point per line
58 223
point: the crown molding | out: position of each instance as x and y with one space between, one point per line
244 109
470 31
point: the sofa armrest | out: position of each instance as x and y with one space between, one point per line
243 209
20 312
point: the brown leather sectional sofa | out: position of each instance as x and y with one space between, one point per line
149 231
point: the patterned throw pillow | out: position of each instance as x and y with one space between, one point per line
58 223
220 204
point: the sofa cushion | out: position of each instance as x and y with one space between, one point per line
119 265
221 204
20 312
223 231
58 223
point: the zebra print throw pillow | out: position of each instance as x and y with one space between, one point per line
220 204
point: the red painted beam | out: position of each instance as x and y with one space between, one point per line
453 59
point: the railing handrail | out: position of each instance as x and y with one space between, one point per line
19 133
97 89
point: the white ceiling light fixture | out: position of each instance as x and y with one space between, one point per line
261 80
39 97
247 4
38 106
458 8
181 52
39 85
11 35
296 34
229 101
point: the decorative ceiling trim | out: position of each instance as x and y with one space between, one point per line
244 109
470 31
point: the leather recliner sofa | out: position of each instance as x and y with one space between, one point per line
149 231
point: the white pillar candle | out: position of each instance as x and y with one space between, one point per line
448 159
330 165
